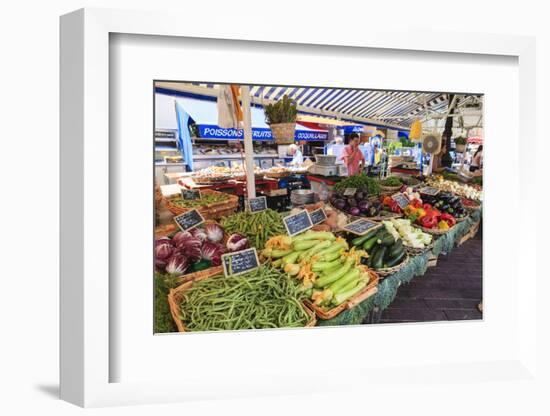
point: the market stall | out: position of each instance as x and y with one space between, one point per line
330 265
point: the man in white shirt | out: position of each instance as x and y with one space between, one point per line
368 153
336 149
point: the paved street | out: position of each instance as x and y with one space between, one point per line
449 291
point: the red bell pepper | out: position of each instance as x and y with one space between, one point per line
427 207
428 221
417 203
394 207
448 218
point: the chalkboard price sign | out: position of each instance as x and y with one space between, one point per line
401 200
318 216
257 204
240 262
297 223
190 193
428 190
189 219
350 191
361 227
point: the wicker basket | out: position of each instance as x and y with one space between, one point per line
435 231
377 218
391 270
367 292
283 133
468 205
166 230
175 296
411 181
158 197
390 189
385 217
413 251
242 178
278 175
211 180
461 219
209 212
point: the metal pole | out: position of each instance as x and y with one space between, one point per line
248 148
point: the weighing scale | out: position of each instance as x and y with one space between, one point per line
328 170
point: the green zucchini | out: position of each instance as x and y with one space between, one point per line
395 260
360 240
369 244
387 240
378 258
394 250
374 249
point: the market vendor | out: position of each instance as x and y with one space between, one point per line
353 156
437 165
296 153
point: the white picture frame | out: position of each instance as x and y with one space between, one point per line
85 213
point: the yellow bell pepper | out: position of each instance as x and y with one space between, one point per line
443 225
420 212
410 210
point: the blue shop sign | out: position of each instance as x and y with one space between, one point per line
210 131
353 129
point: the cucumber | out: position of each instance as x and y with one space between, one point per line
387 240
395 260
369 244
394 250
378 258
360 240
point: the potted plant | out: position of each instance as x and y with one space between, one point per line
281 118
460 144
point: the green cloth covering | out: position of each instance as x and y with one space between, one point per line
416 266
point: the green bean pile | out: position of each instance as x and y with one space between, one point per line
258 227
205 199
263 298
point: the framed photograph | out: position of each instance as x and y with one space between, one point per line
150 107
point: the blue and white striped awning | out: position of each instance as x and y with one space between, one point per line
392 108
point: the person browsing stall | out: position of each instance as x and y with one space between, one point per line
477 160
353 156
296 153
